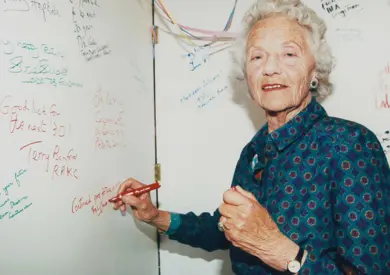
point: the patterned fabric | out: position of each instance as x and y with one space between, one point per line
326 183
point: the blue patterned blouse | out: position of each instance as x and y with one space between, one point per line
326 183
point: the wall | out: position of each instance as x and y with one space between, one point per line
76 118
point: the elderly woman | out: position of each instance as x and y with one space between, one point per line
310 193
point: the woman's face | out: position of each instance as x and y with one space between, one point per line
279 64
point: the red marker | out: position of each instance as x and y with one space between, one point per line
136 192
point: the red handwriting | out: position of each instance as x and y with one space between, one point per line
109 124
387 68
383 102
98 209
64 171
71 155
59 162
103 98
79 203
30 117
96 202
108 143
384 83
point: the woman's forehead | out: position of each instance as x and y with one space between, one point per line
278 29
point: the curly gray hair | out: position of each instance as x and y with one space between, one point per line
306 17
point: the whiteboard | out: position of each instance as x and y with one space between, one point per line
76 101
205 116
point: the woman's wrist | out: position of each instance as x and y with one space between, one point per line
161 221
289 251
280 253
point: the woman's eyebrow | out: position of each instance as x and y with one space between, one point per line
255 48
292 43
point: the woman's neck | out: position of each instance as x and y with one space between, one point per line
277 120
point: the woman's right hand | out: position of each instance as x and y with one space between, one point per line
142 206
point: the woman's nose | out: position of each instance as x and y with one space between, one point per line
272 66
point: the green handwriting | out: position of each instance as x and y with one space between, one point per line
3 215
18 174
36 51
7 186
14 203
18 211
4 203
52 81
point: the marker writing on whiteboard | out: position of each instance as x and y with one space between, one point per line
136 192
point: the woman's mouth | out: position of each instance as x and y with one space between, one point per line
273 87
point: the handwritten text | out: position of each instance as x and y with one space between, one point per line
95 202
37 64
59 162
384 139
83 16
205 93
337 9
12 205
32 116
382 94
44 8
198 57
109 123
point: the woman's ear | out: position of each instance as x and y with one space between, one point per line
313 84
313 74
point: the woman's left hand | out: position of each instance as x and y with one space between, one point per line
249 226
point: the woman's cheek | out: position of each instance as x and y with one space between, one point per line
253 86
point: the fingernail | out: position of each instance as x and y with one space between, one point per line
233 188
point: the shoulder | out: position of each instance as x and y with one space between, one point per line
354 147
348 133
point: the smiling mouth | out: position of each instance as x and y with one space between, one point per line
273 87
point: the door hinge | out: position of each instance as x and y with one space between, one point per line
155 35
157 172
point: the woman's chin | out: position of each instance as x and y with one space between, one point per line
275 106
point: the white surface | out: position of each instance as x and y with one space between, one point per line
198 147
39 42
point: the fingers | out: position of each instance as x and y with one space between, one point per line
244 192
221 224
125 185
129 184
228 224
234 197
137 203
132 201
228 211
118 205
232 229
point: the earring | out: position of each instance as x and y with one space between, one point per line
313 84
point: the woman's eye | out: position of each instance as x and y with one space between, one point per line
256 57
291 55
